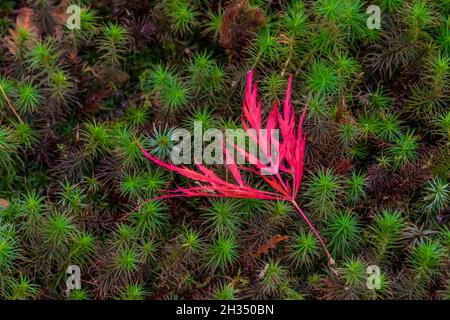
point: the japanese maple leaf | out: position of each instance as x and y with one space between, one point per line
289 160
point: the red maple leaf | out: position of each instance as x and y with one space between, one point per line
289 159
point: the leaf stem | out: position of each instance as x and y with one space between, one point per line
8 102
330 259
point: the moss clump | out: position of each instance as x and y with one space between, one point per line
75 188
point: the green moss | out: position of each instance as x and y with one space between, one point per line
77 105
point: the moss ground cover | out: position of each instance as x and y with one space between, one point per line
77 104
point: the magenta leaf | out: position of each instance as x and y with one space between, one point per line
291 147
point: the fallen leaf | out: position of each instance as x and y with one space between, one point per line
4 203
25 18
271 244
289 158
